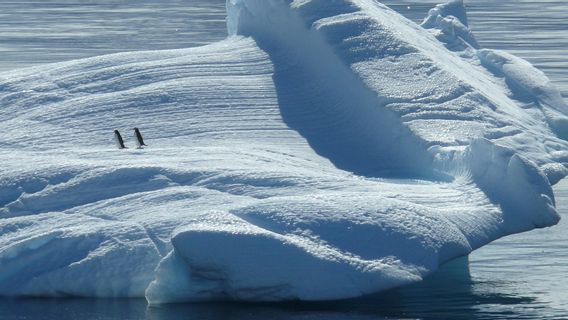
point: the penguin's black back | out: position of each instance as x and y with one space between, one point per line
139 137
119 140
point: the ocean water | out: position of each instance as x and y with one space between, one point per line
35 32
518 277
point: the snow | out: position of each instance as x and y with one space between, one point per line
525 79
450 20
324 150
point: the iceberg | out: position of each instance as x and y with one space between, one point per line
324 150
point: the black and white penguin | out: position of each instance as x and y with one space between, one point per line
118 140
139 139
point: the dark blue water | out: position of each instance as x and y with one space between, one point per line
518 277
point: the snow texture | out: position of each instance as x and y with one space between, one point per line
324 150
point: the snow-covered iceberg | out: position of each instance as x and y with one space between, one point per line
326 149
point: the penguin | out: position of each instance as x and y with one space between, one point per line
118 140
139 139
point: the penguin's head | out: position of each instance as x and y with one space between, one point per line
116 132
135 129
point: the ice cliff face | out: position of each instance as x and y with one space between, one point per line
325 150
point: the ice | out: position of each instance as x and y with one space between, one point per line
452 8
450 21
524 79
324 150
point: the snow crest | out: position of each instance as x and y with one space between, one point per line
325 150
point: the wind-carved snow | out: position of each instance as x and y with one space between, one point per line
325 150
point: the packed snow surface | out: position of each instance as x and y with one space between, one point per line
324 150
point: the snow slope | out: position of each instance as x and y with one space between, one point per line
325 150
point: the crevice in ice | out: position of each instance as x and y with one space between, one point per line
161 246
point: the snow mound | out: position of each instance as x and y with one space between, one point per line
325 150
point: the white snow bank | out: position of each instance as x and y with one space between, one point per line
336 150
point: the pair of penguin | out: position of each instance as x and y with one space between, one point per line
137 135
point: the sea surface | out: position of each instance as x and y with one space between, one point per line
519 277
